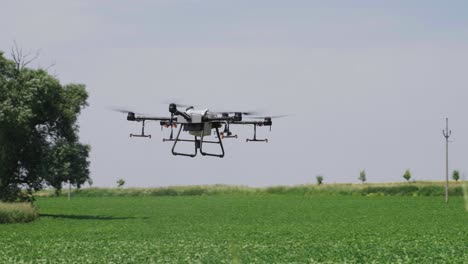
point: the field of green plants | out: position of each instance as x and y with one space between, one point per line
234 228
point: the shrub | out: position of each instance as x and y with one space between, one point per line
17 213
120 183
391 191
193 191
276 190
362 176
432 191
319 180
407 175
456 175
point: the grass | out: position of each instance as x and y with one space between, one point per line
17 213
380 189
238 228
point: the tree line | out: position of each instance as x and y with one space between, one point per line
407 176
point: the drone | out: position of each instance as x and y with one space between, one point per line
200 123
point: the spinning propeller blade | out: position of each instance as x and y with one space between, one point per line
177 104
124 111
263 117
247 113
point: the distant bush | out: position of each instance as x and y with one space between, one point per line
362 176
370 189
407 175
432 191
164 192
319 179
17 213
120 183
456 175
405 190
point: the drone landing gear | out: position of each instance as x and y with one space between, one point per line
142 132
254 139
198 143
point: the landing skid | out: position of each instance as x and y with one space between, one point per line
254 139
198 144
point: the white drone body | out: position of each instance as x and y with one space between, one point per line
196 121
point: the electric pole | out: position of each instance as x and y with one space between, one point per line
69 190
446 132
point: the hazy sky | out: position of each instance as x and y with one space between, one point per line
368 83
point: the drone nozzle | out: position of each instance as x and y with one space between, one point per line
131 116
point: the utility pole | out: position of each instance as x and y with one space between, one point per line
69 190
446 132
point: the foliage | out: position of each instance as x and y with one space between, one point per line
456 175
319 179
389 189
362 176
38 131
17 213
120 183
407 175
258 228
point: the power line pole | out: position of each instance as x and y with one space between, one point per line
69 190
446 132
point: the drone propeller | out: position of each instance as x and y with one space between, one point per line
140 115
176 104
124 111
247 113
271 117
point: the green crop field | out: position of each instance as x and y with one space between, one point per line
259 228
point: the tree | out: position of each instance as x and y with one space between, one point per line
362 176
456 175
39 144
407 175
120 183
90 182
68 164
319 179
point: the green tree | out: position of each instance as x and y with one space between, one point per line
39 144
319 179
362 176
456 175
407 175
120 183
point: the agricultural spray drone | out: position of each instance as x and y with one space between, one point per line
200 123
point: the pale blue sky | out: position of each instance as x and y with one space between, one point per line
369 83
